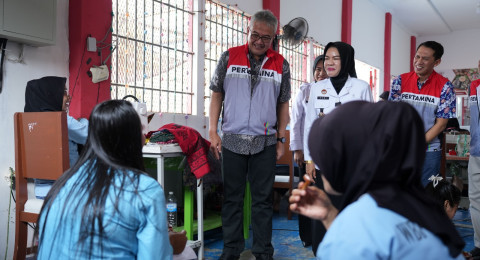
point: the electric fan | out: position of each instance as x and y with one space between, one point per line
293 33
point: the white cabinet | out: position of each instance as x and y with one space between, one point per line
32 22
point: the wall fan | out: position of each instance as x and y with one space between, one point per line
293 33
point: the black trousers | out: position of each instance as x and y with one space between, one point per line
304 223
259 169
318 229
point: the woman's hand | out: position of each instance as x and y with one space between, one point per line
298 157
314 203
310 170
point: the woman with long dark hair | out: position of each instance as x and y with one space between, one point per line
105 206
372 154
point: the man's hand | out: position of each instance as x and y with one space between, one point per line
280 150
215 144
310 170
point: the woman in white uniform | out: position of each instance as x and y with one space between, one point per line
297 121
341 87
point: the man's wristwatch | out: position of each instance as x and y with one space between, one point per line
281 140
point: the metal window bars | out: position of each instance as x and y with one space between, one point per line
153 55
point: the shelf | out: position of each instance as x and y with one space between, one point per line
455 157
211 221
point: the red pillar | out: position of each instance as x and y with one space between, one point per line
387 51
274 7
87 18
413 50
346 35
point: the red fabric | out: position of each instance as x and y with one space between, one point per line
193 145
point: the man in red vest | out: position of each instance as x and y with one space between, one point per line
432 96
253 82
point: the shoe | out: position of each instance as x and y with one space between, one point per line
475 252
306 243
263 256
225 256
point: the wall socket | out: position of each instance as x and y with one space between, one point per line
91 44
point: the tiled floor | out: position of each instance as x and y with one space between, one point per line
287 243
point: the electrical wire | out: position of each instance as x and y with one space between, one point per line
8 218
98 92
78 72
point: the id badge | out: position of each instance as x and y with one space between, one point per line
321 103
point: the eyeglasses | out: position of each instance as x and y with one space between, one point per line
265 39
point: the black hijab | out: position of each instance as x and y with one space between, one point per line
45 94
347 58
379 148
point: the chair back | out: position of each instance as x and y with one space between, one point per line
41 144
41 152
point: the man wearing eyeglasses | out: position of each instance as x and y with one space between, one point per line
253 82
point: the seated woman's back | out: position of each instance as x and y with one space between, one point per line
105 206
378 233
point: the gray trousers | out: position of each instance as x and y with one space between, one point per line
474 196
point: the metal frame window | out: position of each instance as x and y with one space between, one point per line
297 57
369 74
152 53
225 27
317 50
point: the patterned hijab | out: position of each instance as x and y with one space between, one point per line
379 149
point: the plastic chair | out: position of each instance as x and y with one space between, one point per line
41 152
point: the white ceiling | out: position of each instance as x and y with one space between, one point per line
433 17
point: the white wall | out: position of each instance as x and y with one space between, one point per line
323 17
368 33
39 62
461 50
400 54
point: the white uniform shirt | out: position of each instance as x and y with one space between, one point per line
324 98
297 120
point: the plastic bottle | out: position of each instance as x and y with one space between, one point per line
172 210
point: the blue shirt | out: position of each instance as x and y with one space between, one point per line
77 134
365 231
138 230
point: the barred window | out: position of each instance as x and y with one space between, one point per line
152 53
225 27
369 74
297 57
